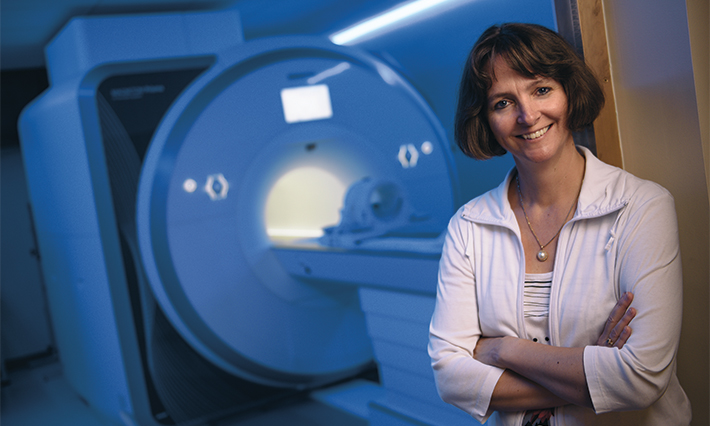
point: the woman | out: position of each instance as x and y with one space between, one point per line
531 322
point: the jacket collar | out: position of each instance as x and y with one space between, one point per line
602 193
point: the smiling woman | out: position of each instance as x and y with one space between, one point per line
472 131
528 117
533 318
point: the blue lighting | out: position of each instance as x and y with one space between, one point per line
386 21
161 164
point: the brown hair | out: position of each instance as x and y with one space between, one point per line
533 51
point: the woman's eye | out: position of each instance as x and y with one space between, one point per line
543 90
501 104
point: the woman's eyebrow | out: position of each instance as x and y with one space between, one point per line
533 82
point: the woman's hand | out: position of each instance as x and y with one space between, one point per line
616 330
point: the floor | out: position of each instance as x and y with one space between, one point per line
41 396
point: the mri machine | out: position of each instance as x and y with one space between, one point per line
223 223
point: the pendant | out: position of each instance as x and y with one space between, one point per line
542 255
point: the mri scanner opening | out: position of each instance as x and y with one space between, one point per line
302 202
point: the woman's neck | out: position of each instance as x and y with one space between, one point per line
552 182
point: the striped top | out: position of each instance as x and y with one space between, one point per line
536 306
536 310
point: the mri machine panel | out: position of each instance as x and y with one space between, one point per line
206 249
170 230
166 211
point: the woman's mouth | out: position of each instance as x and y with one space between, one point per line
535 135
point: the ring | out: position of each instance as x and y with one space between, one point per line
609 342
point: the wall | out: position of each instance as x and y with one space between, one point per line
660 136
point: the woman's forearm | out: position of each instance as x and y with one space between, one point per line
514 392
559 370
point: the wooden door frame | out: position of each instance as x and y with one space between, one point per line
582 23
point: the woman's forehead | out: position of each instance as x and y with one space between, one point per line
499 68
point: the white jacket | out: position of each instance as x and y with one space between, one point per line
623 237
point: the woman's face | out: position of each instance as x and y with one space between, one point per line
528 116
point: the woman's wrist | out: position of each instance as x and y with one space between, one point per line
514 353
507 346
501 352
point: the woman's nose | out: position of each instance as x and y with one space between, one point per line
528 114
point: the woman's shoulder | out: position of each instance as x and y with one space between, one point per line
614 183
640 189
490 207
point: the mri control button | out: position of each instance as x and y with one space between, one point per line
217 187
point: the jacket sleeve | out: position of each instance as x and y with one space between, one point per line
648 264
454 330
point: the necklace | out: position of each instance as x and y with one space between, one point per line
542 254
